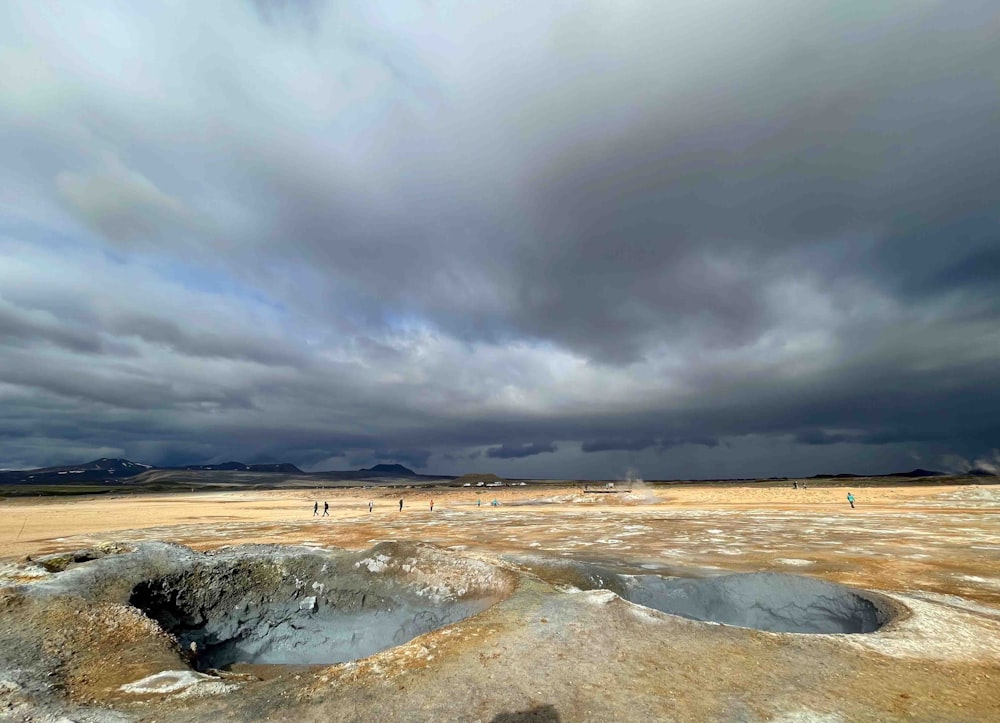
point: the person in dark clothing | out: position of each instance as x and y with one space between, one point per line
326 509
432 505
400 504
370 505
315 508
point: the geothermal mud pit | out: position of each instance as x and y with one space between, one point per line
151 620
763 601
286 606
305 611
773 602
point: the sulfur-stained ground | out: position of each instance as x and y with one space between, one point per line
550 652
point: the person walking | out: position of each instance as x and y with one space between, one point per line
479 502
432 505
315 508
850 498
370 505
400 504
326 509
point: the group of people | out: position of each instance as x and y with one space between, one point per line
850 495
371 506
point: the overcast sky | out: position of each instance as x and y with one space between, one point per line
695 238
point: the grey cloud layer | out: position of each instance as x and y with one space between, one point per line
517 451
351 231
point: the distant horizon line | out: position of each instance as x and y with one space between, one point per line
916 472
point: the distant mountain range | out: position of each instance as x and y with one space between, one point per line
109 470
122 471
100 470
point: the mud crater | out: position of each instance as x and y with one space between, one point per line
301 611
773 602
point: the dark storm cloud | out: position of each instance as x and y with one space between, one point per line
414 457
667 213
604 445
517 451
692 436
338 232
677 225
819 436
978 272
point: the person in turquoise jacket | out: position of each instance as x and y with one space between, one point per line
850 498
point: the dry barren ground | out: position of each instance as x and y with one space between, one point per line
936 549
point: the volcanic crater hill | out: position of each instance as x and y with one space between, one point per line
391 469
